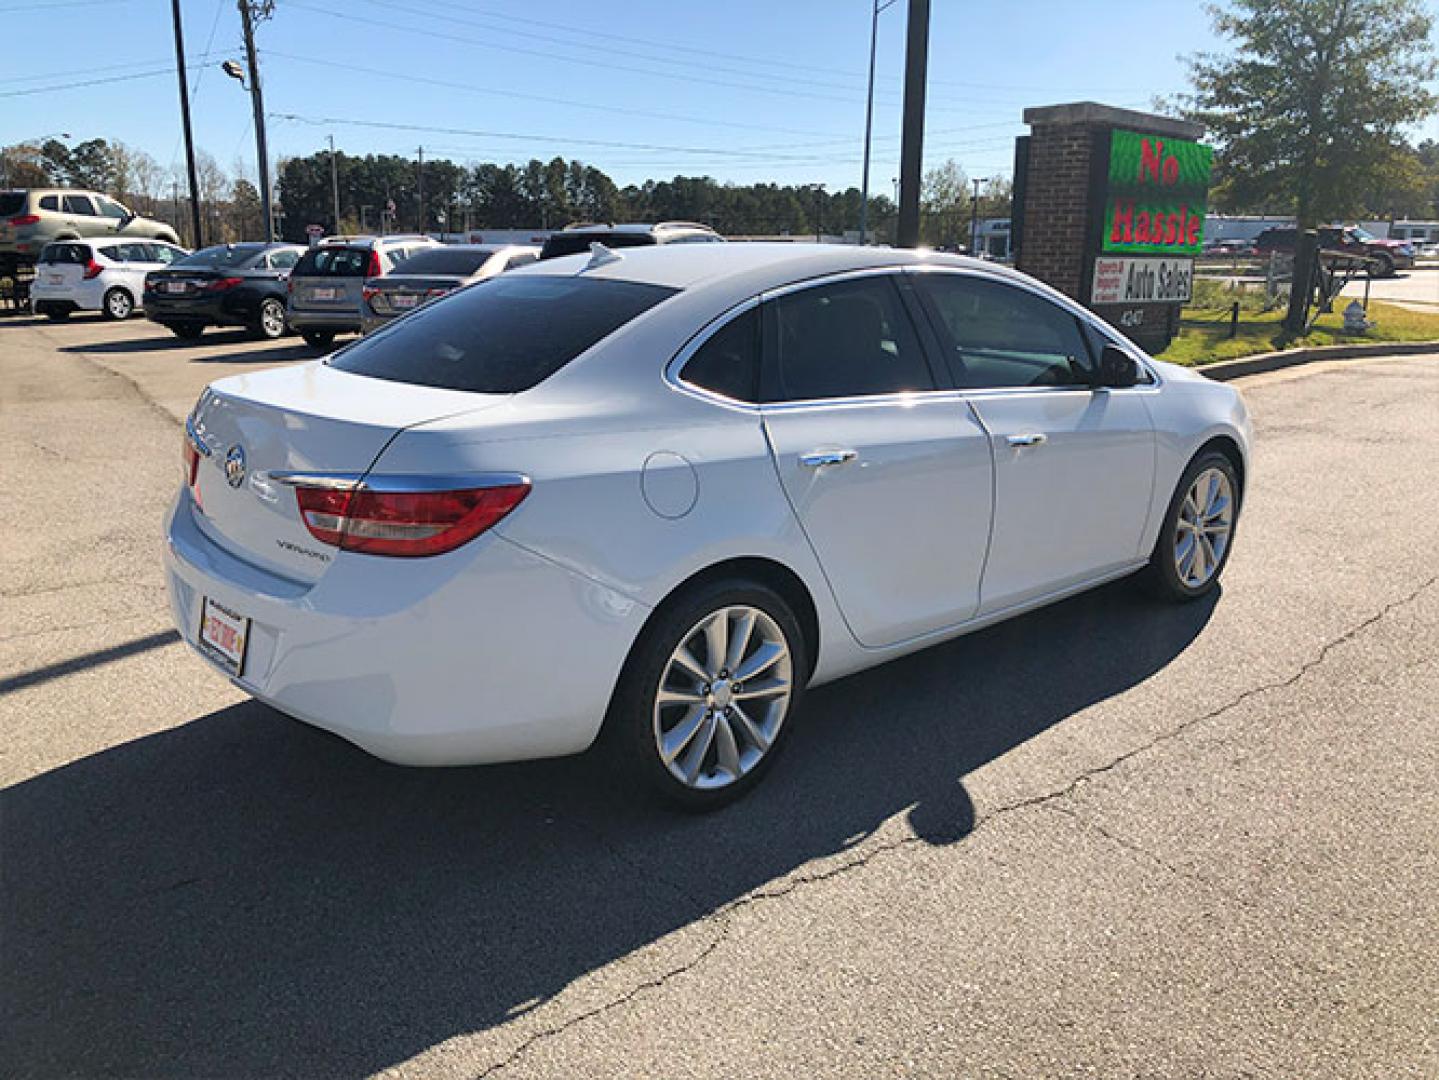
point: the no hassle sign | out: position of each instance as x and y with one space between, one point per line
1142 281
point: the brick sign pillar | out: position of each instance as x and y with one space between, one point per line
1106 203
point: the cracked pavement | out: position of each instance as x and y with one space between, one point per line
1107 839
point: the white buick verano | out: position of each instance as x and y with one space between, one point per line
661 492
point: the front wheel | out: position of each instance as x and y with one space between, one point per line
1382 266
117 305
1198 530
269 324
705 699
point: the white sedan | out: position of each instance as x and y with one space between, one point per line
661 492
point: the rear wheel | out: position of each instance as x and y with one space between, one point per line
117 304
318 339
1382 266
269 321
1198 530
703 704
189 331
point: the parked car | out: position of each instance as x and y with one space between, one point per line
576 239
1381 257
32 218
326 289
107 276
597 492
434 273
224 285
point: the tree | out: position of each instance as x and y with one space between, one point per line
1306 113
944 199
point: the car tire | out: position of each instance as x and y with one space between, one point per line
117 305
1197 533
188 331
269 321
56 314
319 339
1382 266
735 731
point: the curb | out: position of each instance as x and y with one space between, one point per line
1224 370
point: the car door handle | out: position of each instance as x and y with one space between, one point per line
818 459
1032 439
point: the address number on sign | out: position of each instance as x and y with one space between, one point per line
1142 281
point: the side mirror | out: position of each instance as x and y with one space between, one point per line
1117 368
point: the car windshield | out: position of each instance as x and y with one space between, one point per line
445 261
501 336
220 257
1362 234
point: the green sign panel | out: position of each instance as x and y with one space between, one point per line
1158 190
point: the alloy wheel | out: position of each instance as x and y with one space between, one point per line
723 697
272 319
118 304
1206 521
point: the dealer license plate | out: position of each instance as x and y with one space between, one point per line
324 294
224 635
175 287
55 279
404 300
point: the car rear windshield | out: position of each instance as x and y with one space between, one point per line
444 261
327 261
12 203
501 336
56 254
577 243
220 257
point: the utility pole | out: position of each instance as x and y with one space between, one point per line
334 185
420 183
257 100
185 122
869 121
974 214
911 152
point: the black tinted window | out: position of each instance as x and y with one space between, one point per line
333 262
221 256
445 261
49 202
500 336
728 363
66 253
849 339
79 204
12 203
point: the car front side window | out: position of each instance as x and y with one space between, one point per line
1000 336
850 338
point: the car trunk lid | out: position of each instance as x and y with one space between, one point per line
254 431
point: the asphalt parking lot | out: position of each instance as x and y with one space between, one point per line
1107 839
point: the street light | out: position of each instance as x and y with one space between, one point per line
869 123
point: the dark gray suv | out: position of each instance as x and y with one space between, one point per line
326 286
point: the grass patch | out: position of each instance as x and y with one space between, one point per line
1204 329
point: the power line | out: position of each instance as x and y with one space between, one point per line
91 69
88 82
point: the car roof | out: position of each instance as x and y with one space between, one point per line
766 265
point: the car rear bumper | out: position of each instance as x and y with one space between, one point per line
338 321
487 654
85 296
221 309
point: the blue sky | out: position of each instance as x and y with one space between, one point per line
741 90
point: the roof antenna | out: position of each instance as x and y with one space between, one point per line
601 256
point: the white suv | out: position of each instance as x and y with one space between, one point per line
107 276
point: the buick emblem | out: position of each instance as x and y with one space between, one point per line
235 466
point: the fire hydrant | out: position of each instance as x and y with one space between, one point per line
1356 319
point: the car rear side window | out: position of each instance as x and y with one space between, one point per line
333 262
79 204
728 363
501 336
49 202
847 339
1001 336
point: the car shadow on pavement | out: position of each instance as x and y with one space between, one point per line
239 346
243 895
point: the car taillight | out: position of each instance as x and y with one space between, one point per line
405 523
368 293
189 459
375 270
25 219
221 284
92 269
432 293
